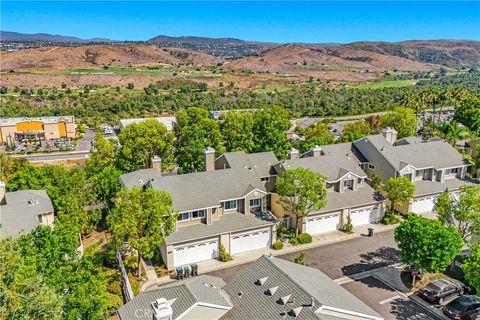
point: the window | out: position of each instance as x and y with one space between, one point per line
371 166
454 171
230 205
255 203
419 173
265 179
183 216
198 214
348 184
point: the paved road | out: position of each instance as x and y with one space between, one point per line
343 258
47 157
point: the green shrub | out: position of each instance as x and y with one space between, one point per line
300 259
304 238
376 181
409 214
224 255
389 218
348 227
294 241
284 232
277 245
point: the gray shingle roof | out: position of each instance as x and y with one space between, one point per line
437 154
261 163
426 187
302 284
197 190
182 295
351 199
333 167
20 213
231 222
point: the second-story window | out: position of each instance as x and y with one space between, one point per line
230 205
255 203
198 214
183 216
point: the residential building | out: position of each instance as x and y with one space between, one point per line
269 288
13 130
166 121
432 166
22 211
227 206
348 194
234 204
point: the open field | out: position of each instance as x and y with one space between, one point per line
386 84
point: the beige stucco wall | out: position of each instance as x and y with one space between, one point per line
225 241
70 129
253 195
8 132
47 219
276 206
51 131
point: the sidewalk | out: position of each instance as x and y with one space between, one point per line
250 256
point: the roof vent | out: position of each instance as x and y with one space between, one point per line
295 312
140 181
240 294
261 281
284 300
312 302
271 291
32 202
161 309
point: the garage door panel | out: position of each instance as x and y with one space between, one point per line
365 216
423 205
250 241
195 252
323 223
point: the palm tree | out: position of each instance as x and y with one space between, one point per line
452 132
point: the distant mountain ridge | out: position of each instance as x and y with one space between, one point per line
17 36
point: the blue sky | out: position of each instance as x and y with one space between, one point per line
313 22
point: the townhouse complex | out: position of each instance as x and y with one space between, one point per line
233 202
269 288
13 130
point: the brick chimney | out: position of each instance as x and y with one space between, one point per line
293 154
209 158
157 163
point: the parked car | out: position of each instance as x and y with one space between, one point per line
437 290
465 307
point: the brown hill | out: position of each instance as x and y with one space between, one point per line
93 56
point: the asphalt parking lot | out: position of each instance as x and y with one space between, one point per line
388 302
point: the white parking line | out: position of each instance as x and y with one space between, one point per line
390 299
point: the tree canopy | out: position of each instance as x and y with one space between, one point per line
237 131
427 244
399 191
141 141
403 120
143 218
195 131
355 130
301 191
316 135
471 267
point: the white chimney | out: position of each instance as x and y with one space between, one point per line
157 163
293 154
3 200
161 309
316 151
390 135
209 157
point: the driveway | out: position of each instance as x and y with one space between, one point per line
341 259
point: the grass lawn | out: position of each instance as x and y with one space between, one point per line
386 84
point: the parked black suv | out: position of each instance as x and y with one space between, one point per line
437 290
464 307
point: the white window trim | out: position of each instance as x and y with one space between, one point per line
231 209
199 217
371 166
259 203
181 215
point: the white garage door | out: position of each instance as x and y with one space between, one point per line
364 216
195 253
321 224
250 241
423 205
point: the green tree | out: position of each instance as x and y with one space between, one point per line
7 166
105 185
195 131
301 192
143 218
355 130
427 244
463 214
399 191
468 113
471 267
316 135
269 130
103 155
23 291
237 131
140 142
403 120
452 132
